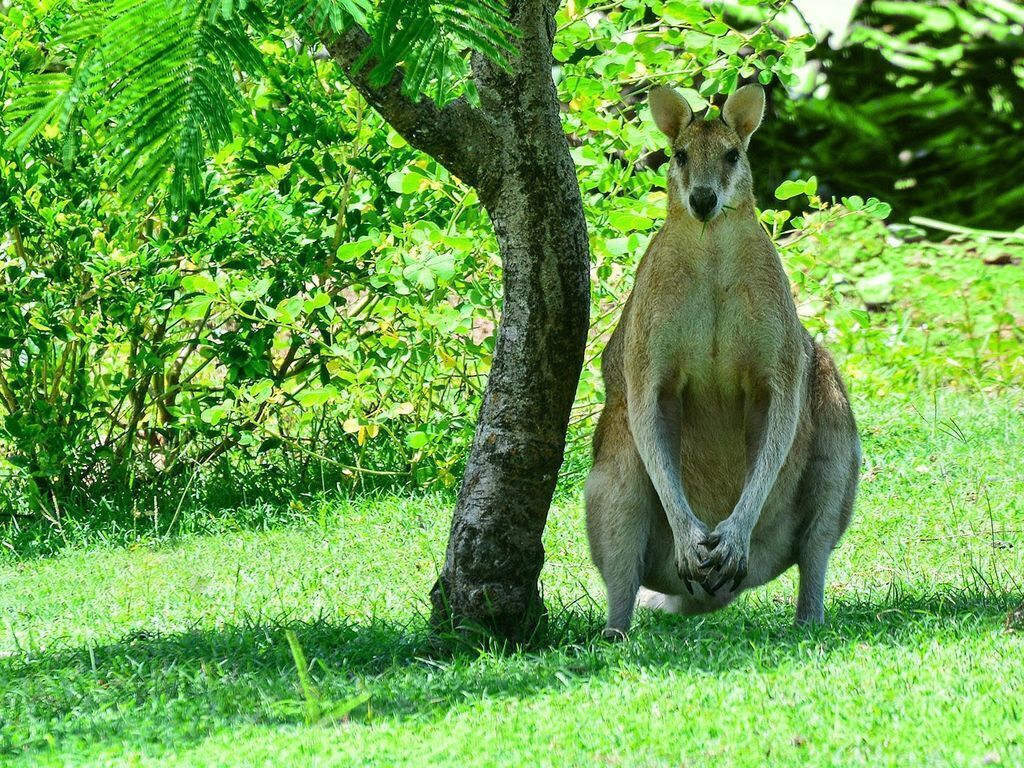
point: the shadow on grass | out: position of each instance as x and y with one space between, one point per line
122 525
162 692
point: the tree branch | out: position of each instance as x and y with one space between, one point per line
457 135
7 394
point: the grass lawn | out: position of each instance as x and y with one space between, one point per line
127 648
176 653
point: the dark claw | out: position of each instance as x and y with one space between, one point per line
689 587
705 564
711 540
740 576
718 584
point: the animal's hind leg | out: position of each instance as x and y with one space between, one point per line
620 506
815 550
827 491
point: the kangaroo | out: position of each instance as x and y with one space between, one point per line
726 450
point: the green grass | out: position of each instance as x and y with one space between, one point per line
297 635
176 652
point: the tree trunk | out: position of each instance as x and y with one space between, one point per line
513 150
495 553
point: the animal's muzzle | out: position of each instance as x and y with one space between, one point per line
703 202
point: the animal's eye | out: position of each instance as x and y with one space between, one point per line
732 156
680 156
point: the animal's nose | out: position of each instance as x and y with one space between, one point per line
703 201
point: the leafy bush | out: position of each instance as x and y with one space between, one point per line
309 301
322 312
921 106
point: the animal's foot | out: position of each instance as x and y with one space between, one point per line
728 554
809 617
613 635
690 553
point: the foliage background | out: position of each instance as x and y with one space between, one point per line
320 313
198 393
920 106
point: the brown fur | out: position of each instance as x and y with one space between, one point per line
727 450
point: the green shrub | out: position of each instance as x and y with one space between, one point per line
323 314
922 105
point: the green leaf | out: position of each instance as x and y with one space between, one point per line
317 301
789 189
624 221
862 317
355 249
694 40
162 82
214 415
340 709
876 209
417 440
315 396
261 390
407 182
200 283
684 12
427 37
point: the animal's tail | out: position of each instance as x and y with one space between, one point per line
659 601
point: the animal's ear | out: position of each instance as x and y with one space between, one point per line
743 111
670 111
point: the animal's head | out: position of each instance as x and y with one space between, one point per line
709 169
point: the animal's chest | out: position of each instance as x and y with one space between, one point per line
719 331
722 340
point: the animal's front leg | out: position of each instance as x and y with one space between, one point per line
771 420
655 421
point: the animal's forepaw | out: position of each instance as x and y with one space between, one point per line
613 635
689 556
726 560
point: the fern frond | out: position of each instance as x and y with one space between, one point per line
330 15
161 77
428 38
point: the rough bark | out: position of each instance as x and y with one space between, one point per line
457 135
514 151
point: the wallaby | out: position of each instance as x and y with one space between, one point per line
727 450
